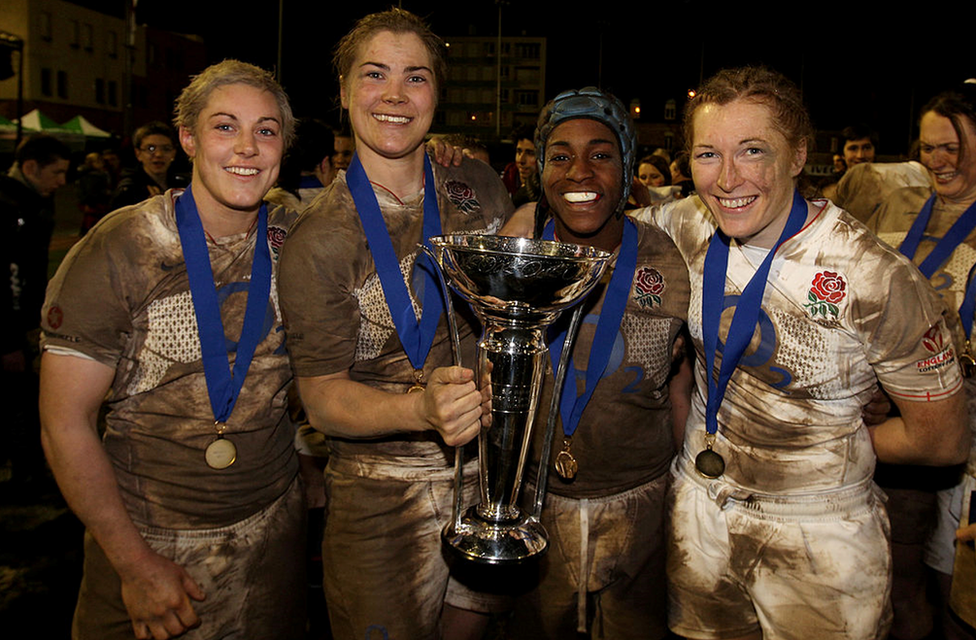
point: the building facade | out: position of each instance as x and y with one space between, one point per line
75 62
493 85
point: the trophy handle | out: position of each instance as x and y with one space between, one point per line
458 508
542 479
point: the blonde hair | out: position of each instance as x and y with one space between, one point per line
194 97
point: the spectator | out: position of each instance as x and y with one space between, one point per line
27 216
94 193
345 146
681 174
155 149
859 145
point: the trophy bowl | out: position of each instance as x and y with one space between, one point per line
518 278
517 288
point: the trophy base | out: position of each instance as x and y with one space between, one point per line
486 542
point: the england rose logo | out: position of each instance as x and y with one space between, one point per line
462 196
648 286
940 348
276 238
826 292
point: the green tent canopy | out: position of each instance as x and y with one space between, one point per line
79 124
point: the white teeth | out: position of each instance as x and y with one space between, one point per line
736 203
946 177
242 171
382 117
580 196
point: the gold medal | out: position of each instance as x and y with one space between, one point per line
565 464
967 363
419 384
221 453
708 463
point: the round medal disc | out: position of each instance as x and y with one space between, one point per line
710 464
566 465
967 364
221 453
417 388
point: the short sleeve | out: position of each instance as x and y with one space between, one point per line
86 309
909 344
316 292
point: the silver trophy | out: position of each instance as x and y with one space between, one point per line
517 287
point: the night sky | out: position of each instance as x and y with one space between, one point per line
855 63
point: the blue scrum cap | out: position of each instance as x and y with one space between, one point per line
592 103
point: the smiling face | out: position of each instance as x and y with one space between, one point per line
582 179
939 146
391 95
156 153
858 151
649 175
236 151
744 170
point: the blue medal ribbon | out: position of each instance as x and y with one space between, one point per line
746 313
956 234
223 383
968 306
571 405
415 337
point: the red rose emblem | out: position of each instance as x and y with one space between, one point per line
462 196
826 292
829 287
276 236
458 190
648 286
650 281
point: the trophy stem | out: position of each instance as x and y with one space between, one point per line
512 360
512 357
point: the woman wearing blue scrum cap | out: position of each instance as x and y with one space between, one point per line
604 506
